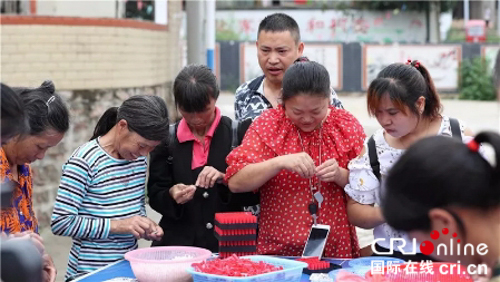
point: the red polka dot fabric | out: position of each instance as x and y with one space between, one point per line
285 221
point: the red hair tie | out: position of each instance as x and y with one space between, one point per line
473 145
417 64
408 62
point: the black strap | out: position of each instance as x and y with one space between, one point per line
171 133
455 128
372 154
171 141
234 127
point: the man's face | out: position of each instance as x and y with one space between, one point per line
276 51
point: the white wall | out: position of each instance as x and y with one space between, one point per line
77 8
331 25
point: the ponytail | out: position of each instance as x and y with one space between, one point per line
494 140
405 84
48 86
106 122
145 115
432 101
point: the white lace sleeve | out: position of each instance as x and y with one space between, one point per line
363 184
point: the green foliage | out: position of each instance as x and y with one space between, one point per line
457 35
225 30
476 80
492 36
226 35
420 6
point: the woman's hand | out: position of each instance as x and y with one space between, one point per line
208 176
329 171
182 193
300 163
139 226
156 235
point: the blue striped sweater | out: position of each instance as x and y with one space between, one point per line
96 188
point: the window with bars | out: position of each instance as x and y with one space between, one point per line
11 7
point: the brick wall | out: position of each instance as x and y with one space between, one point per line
77 54
95 64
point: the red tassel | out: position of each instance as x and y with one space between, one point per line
473 145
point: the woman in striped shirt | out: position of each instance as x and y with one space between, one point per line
101 197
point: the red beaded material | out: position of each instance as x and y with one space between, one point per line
235 266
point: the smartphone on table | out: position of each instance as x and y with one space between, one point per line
316 241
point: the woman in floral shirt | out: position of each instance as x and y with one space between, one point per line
295 151
48 119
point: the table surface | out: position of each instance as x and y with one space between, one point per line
122 269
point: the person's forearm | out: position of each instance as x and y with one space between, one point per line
71 225
343 178
253 176
364 216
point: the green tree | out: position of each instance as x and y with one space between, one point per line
476 80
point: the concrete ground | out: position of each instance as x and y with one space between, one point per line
477 115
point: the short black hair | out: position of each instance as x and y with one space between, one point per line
193 88
306 77
279 22
44 108
440 172
13 117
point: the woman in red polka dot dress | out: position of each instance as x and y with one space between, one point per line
292 153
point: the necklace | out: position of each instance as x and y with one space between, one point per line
317 197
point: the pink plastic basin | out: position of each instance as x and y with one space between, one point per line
165 264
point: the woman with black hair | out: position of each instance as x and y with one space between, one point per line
441 186
406 104
186 174
101 199
13 118
43 125
296 156
48 121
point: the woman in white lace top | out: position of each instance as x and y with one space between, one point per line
405 102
